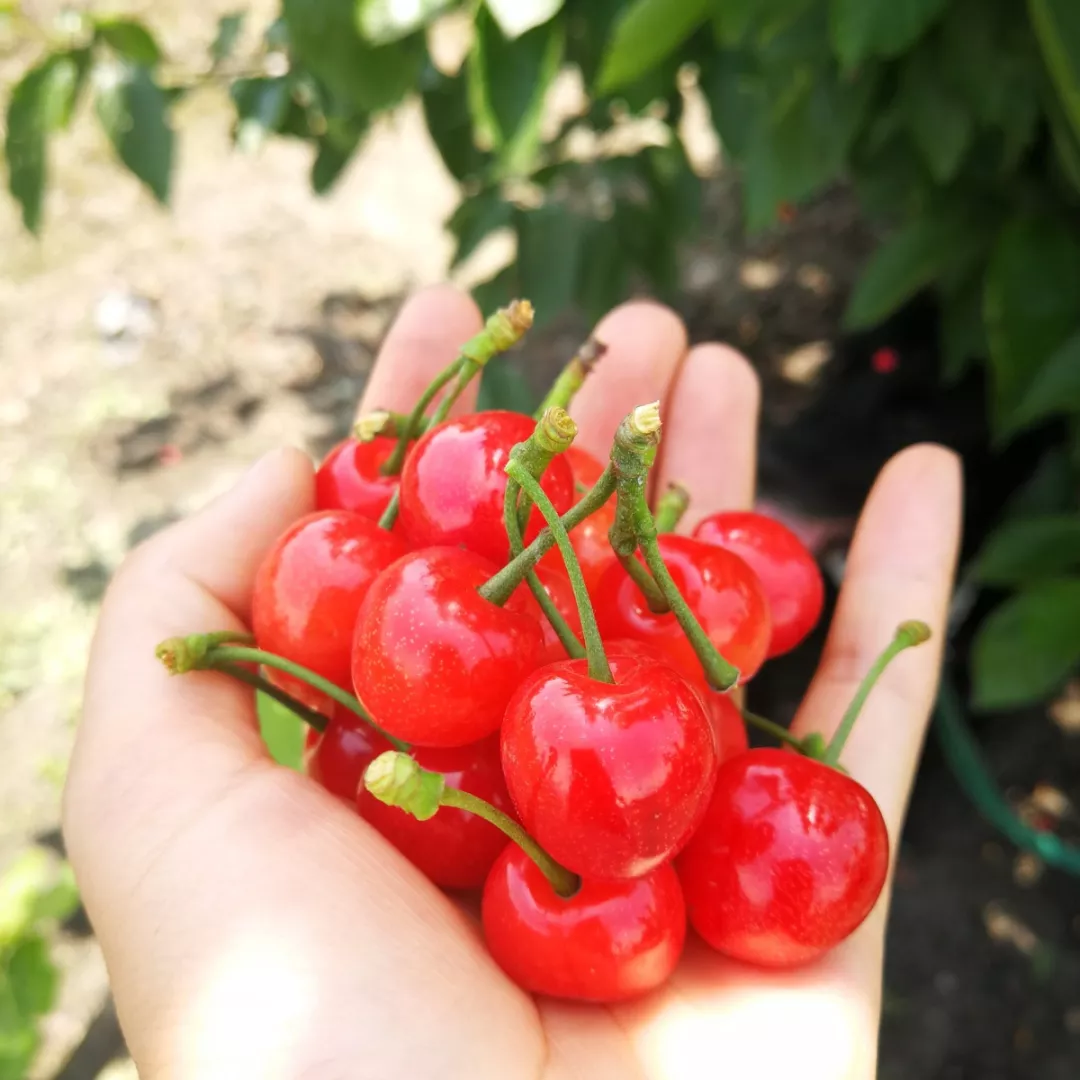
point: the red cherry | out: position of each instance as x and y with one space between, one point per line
433 661
590 543
453 484
454 849
585 466
310 585
788 573
557 586
721 590
349 477
610 779
789 860
337 758
609 942
885 360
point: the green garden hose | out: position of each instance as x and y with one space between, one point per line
969 766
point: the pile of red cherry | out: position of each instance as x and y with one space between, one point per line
600 794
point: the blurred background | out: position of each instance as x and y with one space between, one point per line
215 209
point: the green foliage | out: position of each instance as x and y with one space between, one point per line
35 891
282 731
956 121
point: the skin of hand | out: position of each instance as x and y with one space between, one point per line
254 927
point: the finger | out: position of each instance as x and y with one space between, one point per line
646 342
710 432
425 337
900 567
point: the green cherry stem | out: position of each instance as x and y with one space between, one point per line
670 508
632 456
641 577
383 422
594 647
311 717
502 585
200 652
769 727
572 377
908 634
502 330
397 780
553 434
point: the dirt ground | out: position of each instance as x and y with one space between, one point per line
146 357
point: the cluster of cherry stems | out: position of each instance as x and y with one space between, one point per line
465 683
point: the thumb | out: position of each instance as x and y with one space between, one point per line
151 748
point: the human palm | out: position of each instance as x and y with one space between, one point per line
254 927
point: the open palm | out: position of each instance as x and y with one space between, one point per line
254 927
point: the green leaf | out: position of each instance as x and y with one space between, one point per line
1029 549
326 39
912 258
549 250
476 218
1055 387
735 91
32 976
647 32
130 39
497 291
963 333
603 274
1057 27
516 17
1028 646
1031 306
510 82
133 111
229 29
261 105
449 122
282 731
330 161
936 116
42 101
19 1037
383 21
863 28
792 157
505 387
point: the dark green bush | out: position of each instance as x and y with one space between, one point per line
956 121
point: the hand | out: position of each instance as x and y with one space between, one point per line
254 927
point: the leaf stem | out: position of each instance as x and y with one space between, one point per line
599 669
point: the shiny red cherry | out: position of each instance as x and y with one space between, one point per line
609 942
433 661
721 590
789 574
453 484
585 466
728 726
454 849
611 779
788 861
337 758
350 479
310 585
557 586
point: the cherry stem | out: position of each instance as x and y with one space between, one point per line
777 731
572 377
502 330
908 634
566 430
599 669
670 508
385 423
397 780
311 717
554 433
641 577
501 586
632 456
208 652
